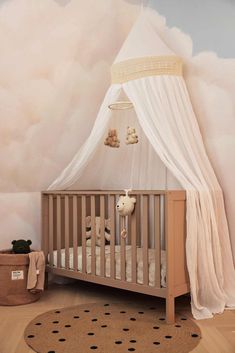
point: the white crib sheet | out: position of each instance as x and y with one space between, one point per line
151 260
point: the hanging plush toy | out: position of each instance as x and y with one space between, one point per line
125 206
112 139
131 136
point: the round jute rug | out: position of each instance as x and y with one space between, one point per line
110 328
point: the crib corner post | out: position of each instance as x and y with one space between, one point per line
44 224
170 255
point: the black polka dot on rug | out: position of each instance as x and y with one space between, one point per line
118 342
119 328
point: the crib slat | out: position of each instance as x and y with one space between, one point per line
58 229
157 240
102 236
66 230
112 236
123 249
138 219
83 233
75 233
51 231
133 247
93 236
145 239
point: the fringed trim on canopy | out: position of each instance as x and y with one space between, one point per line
133 69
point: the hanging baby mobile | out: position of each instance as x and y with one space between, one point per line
125 207
131 136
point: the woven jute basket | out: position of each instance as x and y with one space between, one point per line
13 279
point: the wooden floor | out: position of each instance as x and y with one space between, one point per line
218 333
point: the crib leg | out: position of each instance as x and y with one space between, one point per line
170 309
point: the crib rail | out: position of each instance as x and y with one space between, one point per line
134 263
66 233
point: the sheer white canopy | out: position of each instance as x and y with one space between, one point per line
151 77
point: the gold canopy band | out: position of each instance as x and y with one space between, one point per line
133 69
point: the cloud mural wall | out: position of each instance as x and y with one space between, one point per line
54 71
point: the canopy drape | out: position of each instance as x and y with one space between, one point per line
75 168
151 76
166 116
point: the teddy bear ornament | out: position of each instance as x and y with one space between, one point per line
131 136
125 207
112 139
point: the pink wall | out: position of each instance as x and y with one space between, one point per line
54 70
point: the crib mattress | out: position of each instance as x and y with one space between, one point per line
151 261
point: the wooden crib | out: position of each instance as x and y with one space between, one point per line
156 227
